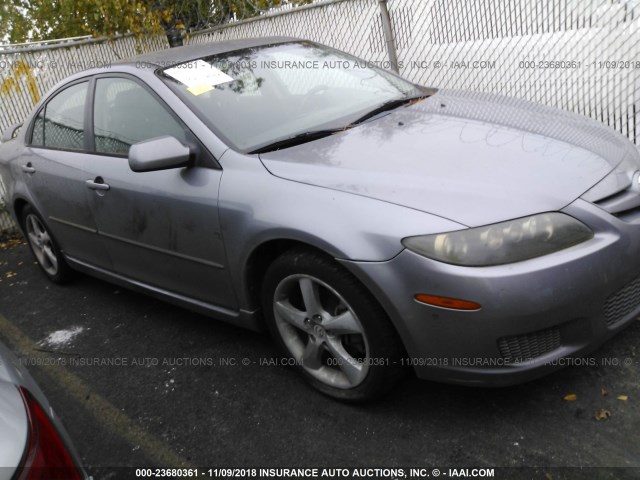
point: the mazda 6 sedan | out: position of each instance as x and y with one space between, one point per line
372 225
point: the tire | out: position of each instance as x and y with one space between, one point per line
44 247
337 334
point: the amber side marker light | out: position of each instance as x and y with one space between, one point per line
445 302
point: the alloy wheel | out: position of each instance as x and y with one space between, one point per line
321 331
42 245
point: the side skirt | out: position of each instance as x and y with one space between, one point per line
241 318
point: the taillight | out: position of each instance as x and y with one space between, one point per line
46 456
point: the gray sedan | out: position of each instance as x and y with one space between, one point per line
33 442
372 225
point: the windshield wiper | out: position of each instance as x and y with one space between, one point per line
297 139
312 135
386 106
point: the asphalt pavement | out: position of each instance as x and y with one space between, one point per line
140 383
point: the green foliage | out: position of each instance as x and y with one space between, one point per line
34 20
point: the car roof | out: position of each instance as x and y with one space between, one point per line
166 58
186 53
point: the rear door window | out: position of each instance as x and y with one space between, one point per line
60 124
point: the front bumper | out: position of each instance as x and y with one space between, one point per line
535 314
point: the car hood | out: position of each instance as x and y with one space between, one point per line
470 157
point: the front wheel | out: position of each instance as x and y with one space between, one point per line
44 247
338 335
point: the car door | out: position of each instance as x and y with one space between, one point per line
160 228
53 166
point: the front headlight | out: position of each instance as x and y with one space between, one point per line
502 243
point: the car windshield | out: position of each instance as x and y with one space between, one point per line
260 96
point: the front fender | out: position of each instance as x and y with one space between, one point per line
257 207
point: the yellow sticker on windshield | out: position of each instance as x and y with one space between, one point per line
199 89
199 76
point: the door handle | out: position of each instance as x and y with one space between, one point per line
97 184
28 168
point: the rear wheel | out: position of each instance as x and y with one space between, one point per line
44 247
324 318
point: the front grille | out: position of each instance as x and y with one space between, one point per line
625 205
519 348
622 303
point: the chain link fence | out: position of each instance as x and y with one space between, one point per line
7 227
28 71
578 55
354 26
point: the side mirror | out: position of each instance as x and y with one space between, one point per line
10 133
161 153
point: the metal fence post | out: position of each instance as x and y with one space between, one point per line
388 35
